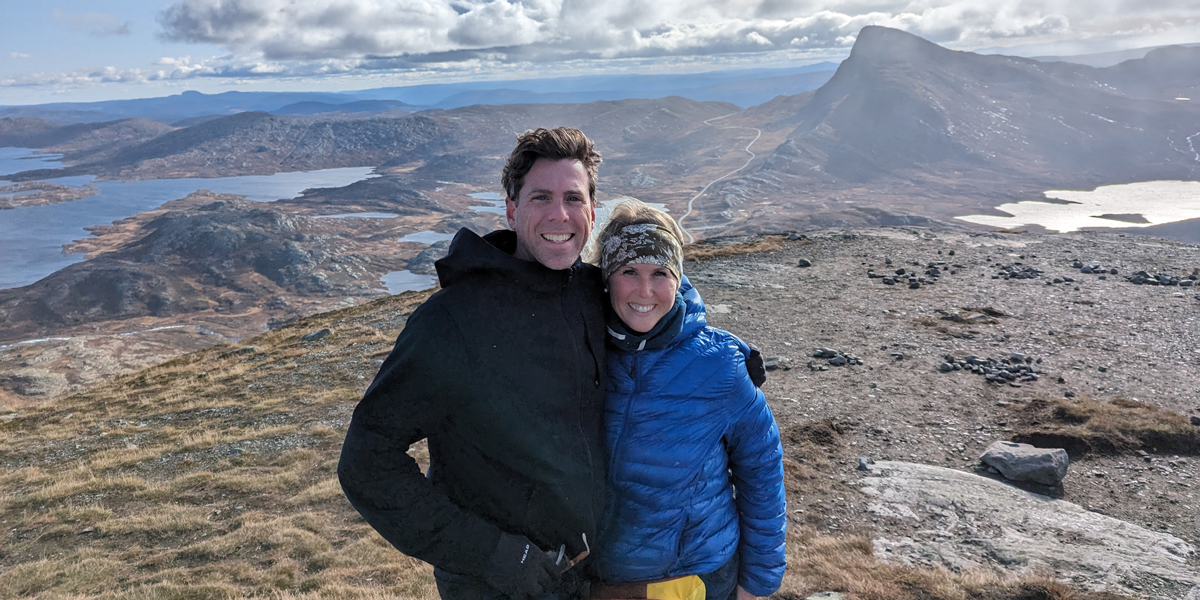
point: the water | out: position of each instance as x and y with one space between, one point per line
495 202
427 237
31 238
362 215
15 160
1130 205
407 281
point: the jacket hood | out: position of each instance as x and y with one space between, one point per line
492 256
693 307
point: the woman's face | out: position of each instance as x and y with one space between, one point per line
642 294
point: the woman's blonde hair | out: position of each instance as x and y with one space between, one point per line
632 211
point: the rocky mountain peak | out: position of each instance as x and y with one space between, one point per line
877 44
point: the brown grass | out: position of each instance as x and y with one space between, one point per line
1084 425
213 476
705 251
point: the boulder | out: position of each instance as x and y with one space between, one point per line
963 521
1022 462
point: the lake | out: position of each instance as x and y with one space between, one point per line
1142 204
31 238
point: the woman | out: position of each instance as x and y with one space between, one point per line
695 464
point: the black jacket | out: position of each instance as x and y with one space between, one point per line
502 370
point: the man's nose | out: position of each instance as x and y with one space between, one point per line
558 210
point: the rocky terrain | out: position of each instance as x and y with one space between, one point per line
1117 369
38 193
218 466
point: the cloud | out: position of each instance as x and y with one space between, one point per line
19 55
418 31
95 24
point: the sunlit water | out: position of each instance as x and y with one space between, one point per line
31 237
1140 204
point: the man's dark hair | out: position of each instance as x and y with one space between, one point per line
556 144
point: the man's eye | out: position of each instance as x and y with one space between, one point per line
575 199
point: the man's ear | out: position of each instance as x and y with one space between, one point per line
510 205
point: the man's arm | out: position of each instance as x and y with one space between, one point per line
410 396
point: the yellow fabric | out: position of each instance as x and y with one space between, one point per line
683 588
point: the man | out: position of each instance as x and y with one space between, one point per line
502 372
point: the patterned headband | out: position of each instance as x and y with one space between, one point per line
642 243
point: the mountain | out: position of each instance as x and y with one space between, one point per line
260 143
930 130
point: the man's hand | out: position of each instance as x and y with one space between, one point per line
519 568
744 595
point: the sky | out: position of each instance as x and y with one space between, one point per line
76 50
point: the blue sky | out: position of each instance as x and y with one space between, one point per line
71 50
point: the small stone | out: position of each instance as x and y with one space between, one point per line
1103 369
864 464
945 367
838 361
804 262
315 335
887 261
825 353
1195 420
912 285
1069 394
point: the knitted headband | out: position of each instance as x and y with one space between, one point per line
642 243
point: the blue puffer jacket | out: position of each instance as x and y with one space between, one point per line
685 427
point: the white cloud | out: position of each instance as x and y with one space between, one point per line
19 55
417 31
96 24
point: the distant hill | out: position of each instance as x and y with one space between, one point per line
260 143
355 108
743 87
1104 59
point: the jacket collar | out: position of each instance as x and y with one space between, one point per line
492 256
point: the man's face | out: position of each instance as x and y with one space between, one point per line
553 216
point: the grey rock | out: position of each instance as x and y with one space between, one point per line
826 596
838 361
825 353
804 263
1195 420
945 367
964 520
315 335
1023 462
864 464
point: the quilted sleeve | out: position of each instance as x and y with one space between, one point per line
756 462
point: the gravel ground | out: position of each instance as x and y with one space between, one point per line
1092 338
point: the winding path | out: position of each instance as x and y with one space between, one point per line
758 134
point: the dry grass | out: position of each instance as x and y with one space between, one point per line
705 251
1084 425
213 476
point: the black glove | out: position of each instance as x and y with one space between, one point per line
519 568
756 367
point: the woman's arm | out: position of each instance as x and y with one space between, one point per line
756 462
